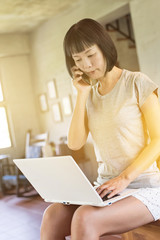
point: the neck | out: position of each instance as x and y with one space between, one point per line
109 80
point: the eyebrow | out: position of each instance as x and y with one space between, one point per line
75 55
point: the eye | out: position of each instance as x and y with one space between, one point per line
77 60
91 55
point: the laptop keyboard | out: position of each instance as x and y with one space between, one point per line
106 196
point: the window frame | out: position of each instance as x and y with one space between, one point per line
4 104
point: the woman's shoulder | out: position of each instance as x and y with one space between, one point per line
135 75
142 85
137 79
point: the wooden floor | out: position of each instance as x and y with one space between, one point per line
20 218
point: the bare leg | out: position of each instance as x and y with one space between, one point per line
56 222
92 222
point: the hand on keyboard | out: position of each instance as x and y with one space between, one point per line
106 196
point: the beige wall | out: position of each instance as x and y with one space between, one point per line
15 73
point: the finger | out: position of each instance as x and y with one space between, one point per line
78 72
113 193
104 193
102 187
107 191
77 79
111 188
74 68
99 190
77 75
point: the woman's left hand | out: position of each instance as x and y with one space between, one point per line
115 186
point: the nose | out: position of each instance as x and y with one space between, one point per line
86 63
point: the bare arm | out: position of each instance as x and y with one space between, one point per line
151 112
78 131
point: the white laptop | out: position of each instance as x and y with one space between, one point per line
59 179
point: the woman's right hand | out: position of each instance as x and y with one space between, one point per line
78 82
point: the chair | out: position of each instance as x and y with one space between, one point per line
149 231
7 174
34 144
33 149
11 177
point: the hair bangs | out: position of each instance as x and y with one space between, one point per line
78 43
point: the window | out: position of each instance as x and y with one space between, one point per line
1 93
5 140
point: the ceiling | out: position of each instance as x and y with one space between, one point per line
26 15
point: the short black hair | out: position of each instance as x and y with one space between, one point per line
86 33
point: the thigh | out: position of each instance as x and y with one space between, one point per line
120 217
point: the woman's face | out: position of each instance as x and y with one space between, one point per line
91 61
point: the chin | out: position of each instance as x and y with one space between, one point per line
96 76
99 77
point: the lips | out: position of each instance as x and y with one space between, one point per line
92 72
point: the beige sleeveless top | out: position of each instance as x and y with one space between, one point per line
118 129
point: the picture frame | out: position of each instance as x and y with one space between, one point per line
43 102
51 89
56 111
67 106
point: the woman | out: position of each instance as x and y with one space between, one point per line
122 113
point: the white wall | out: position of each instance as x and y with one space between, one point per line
15 73
146 23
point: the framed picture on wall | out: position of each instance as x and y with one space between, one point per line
67 106
56 111
43 102
51 88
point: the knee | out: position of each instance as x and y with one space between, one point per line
82 218
50 213
50 226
